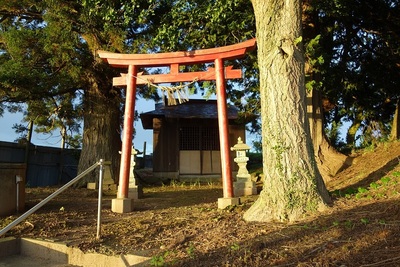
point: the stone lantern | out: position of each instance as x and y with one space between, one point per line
243 186
135 190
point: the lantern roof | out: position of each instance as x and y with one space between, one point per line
240 146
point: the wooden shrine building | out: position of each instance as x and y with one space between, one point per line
186 138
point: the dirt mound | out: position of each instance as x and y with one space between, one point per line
367 166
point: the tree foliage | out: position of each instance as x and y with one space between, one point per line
48 60
358 56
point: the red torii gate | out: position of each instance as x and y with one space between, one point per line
173 60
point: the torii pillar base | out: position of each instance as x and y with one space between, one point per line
122 205
224 202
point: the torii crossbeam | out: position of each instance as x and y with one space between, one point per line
174 60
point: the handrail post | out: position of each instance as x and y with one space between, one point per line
53 195
100 198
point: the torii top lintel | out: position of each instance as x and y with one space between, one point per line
174 59
184 57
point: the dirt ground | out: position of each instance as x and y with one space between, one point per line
179 224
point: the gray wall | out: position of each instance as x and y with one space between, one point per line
46 166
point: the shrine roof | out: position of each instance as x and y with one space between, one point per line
193 109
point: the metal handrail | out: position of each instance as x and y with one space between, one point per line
100 163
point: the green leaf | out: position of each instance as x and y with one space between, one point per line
374 185
385 180
298 40
396 174
362 190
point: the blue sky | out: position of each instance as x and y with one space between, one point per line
9 119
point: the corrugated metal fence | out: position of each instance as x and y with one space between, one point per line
46 166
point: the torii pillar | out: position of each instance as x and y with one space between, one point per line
174 60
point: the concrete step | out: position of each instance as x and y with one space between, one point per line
25 261
27 252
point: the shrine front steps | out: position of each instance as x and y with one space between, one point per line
27 252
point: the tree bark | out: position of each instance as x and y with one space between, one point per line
329 160
102 125
395 133
293 184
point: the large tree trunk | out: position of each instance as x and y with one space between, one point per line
293 184
329 160
101 134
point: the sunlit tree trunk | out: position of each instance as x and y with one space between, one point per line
329 160
293 184
395 133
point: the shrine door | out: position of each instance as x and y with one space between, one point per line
199 151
